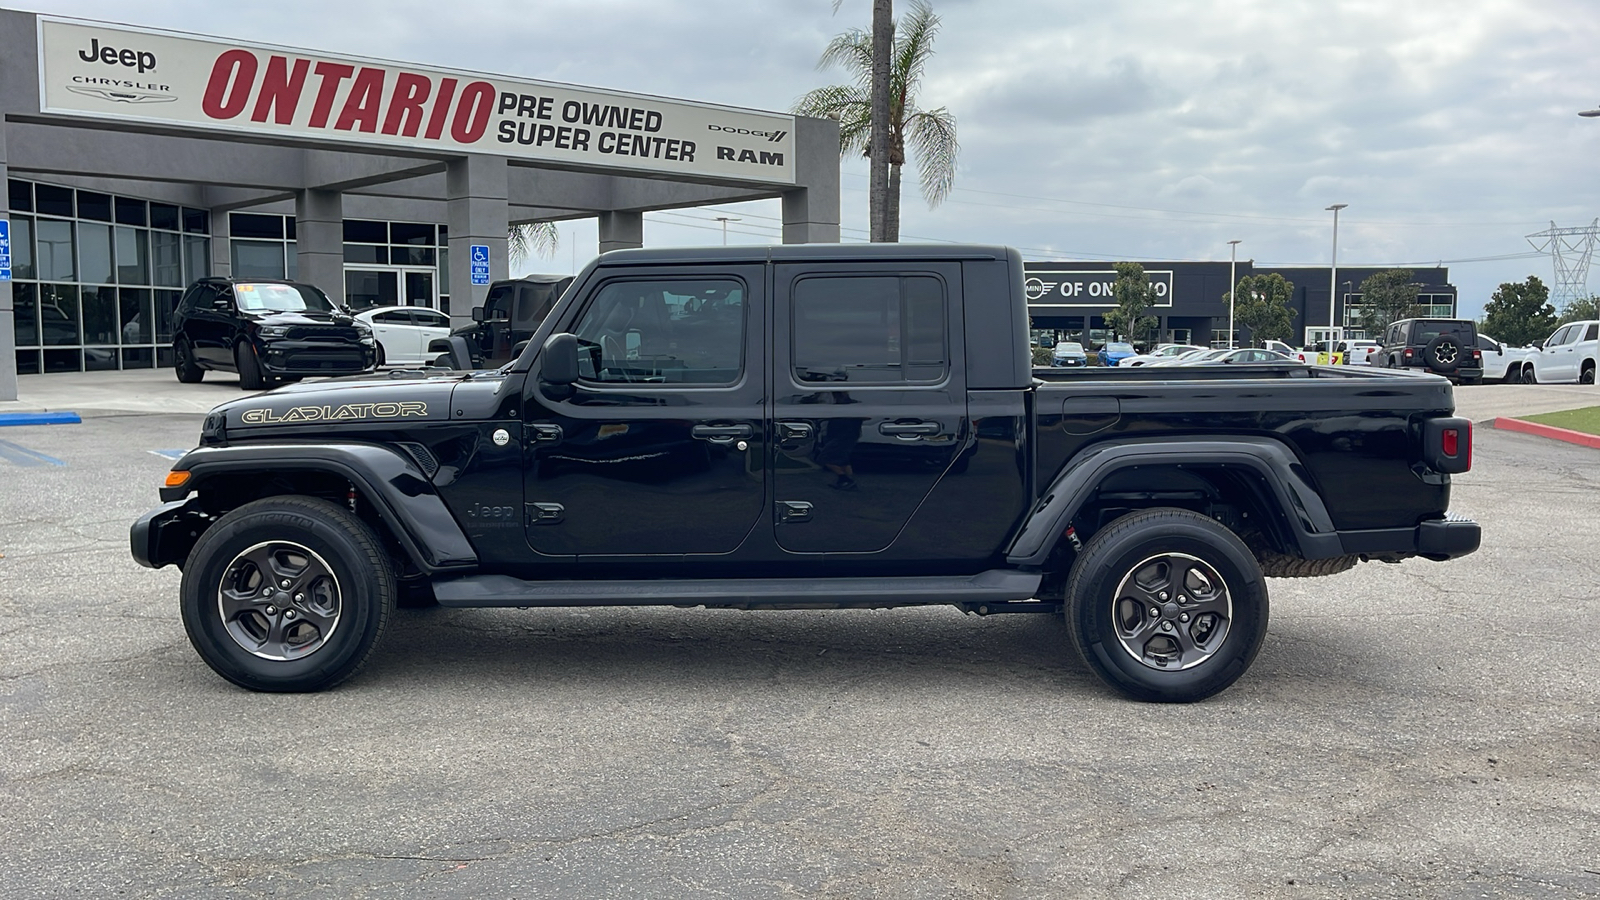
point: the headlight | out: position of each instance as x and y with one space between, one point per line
362 326
273 331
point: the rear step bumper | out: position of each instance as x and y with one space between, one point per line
997 586
1436 539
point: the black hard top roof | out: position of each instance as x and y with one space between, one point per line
805 252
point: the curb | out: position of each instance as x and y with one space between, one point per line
1547 431
40 418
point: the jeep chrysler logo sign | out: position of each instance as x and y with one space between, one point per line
88 69
1088 288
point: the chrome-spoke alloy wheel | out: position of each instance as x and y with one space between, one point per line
1172 612
279 600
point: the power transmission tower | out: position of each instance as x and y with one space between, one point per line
1570 250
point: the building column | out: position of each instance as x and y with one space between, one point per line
811 210
319 240
8 331
221 246
475 193
621 230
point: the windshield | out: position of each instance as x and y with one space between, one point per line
1066 348
1119 348
280 298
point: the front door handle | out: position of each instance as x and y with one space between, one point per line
721 434
909 430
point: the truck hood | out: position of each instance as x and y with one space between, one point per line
396 399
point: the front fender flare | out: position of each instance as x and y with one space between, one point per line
396 487
1298 501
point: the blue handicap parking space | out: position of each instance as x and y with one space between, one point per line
18 455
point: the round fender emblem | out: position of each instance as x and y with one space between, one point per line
501 437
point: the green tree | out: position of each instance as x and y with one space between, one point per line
1576 311
1262 305
523 241
930 134
1133 296
1520 314
1386 297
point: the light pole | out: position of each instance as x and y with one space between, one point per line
1590 113
1233 285
725 220
1333 273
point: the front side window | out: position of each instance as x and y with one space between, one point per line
663 331
869 329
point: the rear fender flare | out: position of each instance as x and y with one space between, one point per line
1298 502
396 487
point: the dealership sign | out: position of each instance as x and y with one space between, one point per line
159 77
1087 287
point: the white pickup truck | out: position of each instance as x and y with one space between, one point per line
1569 355
1503 362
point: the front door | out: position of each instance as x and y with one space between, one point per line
369 286
658 449
869 400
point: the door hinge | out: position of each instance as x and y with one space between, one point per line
794 511
545 514
544 434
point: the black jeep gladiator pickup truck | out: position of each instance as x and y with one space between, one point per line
802 426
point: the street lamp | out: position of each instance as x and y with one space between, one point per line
1333 273
1590 113
1233 285
725 220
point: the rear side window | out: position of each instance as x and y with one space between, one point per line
1593 333
877 329
393 318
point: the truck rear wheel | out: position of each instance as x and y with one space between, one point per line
1166 605
287 594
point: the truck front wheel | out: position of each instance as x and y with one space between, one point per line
1166 605
287 594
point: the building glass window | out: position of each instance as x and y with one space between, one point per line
257 259
68 315
249 225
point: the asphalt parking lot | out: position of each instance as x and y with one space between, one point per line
1415 730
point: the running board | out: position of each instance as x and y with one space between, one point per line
996 586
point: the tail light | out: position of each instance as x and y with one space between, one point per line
1408 353
1447 445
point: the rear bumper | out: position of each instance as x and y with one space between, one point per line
1437 539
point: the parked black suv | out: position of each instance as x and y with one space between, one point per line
1447 347
509 315
268 331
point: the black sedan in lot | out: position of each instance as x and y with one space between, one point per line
268 331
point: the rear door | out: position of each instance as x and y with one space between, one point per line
869 399
658 449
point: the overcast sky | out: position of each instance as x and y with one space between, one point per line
1091 130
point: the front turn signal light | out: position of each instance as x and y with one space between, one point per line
177 478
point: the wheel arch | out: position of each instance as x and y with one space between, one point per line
1260 477
403 504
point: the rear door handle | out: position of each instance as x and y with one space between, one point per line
909 429
721 434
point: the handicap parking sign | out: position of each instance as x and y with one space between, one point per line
5 249
480 263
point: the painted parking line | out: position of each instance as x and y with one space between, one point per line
169 454
40 418
18 455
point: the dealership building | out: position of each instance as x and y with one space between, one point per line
1067 300
136 160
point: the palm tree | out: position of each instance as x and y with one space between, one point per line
534 237
931 134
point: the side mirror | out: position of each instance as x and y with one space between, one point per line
477 314
558 361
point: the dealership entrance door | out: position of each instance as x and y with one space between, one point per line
368 286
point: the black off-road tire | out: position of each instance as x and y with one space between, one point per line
1142 555
310 625
1443 354
189 372
250 375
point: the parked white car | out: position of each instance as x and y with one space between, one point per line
1569 355
403 332
1279 346
1193 356
1502 361
1356 352
1169 351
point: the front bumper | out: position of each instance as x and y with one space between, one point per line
1437 539
317 358
166 534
